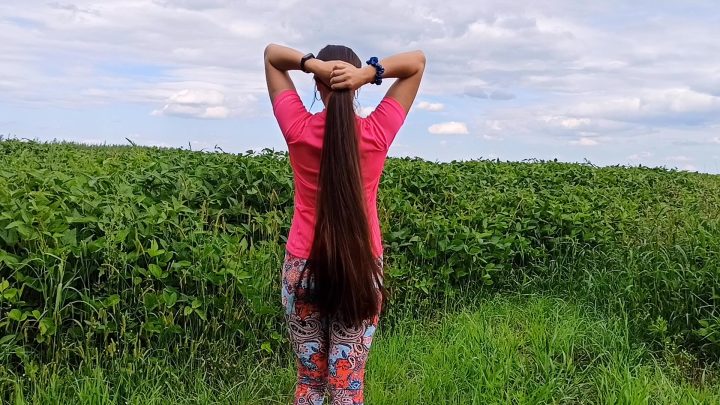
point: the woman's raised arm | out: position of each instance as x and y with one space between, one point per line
280 59
407 67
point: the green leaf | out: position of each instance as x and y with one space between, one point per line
10 293
7 338
14 224
152 327
111 301
47 327
154 251
196 303
16 315
11 238
187 310
150 300
80 220
181 264
122 235
69 237
7 258
155 270
170 298
243 275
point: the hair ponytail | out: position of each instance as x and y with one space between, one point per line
342 263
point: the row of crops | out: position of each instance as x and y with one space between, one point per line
117 250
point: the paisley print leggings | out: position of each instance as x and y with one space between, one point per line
330 356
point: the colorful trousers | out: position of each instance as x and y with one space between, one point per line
330 356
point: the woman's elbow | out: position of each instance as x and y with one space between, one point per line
268 49
421 60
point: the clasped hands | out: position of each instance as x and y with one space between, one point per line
339 75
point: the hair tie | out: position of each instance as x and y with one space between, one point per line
379 70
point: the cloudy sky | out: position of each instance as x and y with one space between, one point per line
613 82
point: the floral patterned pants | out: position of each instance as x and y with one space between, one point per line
330 356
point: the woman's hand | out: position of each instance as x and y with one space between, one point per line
348 77
339 75
321 69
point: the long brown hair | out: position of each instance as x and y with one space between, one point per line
347 279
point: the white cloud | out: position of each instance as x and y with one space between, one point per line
449 128
424 105
567 122
190 111
216 112
715 140
196 104
365 111
198 97
494 125
585 142
488 137
653 105
207 104
573 123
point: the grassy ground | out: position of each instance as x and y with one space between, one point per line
519 350
158 269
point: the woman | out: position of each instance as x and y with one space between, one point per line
332 287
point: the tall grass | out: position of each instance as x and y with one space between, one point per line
516 349
128 252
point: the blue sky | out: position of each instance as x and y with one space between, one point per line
613 82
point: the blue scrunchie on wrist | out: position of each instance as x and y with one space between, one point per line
379 70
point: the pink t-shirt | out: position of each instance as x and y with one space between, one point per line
304 133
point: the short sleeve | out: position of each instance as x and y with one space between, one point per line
291 114
387 119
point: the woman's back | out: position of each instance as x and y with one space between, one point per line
304 133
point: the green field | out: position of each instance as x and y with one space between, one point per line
148 275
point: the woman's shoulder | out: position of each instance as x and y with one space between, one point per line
384 121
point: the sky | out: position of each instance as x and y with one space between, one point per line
615 82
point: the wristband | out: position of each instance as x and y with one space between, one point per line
379 70
305 59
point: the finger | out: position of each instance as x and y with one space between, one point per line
339 78
340 84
